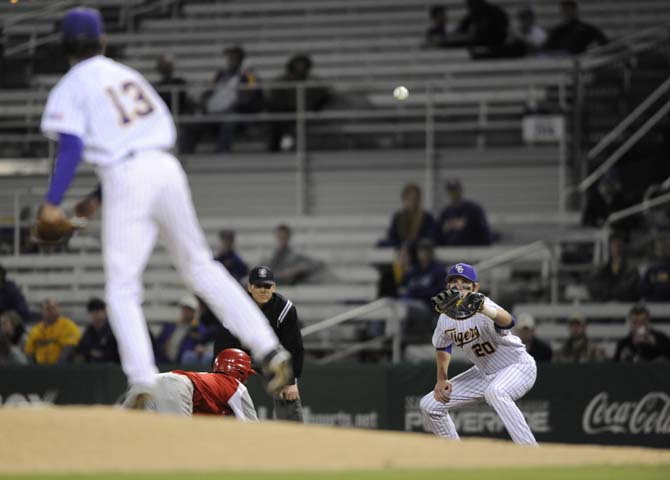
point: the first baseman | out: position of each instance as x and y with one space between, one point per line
503 371
109 115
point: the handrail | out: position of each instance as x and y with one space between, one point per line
510 255
32 44
640 207
630 118
346 316
623 47
29 45
623 149
46 9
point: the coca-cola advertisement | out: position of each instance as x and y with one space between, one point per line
611 403
649 414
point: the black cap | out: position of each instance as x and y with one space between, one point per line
261 274
95 304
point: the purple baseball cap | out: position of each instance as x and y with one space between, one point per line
82 24
463 270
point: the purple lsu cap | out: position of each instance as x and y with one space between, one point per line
82 24
463 270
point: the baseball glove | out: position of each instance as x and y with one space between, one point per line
445 300
466 307
54 233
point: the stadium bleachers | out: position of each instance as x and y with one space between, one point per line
362 49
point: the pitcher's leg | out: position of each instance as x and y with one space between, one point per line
129 236
207 278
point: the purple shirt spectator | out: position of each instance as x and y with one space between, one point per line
462 222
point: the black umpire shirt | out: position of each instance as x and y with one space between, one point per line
283 318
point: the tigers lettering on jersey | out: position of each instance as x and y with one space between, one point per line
463 338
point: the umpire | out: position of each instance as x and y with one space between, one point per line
283 318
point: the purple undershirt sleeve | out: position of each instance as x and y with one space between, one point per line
70 149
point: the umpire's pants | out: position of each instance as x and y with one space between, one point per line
290 410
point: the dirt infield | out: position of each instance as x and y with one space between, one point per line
104 439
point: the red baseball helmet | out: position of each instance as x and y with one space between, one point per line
234 362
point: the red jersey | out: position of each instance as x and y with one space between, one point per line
212 392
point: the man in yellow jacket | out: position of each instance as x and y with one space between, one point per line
51 340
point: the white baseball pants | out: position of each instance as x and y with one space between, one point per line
172 394
499 390
143 197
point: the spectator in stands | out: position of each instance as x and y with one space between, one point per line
168 84
578 348
437 33
462 222
98 344
573 36
54 338
411 223
530 37
11 327
617 280
603 199
425 278
11 297
229 258
655 284
536 347
643 343
291 268
391 275
284 99
186 340
484 27
234 89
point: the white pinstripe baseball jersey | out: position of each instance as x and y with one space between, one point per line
112 108
488 346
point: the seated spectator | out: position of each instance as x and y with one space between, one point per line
11 326
234 89
391 275
655 284
643 343
437 34
186 340
605 198
617 280
578 348
426 277
98 344
167 85
462 222
54 338
291 268
536 347
412 222
11 297
284 99
530 36
485 25
573 36
229 258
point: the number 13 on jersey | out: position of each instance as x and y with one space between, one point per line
141 105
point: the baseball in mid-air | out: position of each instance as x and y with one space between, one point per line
400 93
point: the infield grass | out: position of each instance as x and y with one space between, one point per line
660 472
